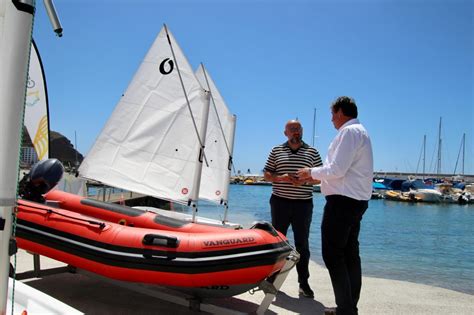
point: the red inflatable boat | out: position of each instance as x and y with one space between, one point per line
134 245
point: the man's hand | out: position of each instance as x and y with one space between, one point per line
304 174
274 178
295 180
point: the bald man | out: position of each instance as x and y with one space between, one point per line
292 199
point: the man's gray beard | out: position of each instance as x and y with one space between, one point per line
296 140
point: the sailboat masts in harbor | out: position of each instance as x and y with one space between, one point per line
424 156
463 149
314 127
438 168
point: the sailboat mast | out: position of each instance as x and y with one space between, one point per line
424 156
201 134
16 35
229 143
438 168
463 151
314 127
201 142
225 194
215 110
198 171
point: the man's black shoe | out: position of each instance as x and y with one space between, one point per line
306 291
330 311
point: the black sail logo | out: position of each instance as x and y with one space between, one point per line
170 66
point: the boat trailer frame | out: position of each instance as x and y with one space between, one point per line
269 287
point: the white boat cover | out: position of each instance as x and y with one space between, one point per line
215 175
28 300
150 144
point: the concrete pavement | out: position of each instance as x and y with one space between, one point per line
95 295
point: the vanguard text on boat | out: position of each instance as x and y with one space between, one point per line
147 147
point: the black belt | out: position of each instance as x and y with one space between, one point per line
342 197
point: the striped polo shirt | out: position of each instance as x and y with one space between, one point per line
283 160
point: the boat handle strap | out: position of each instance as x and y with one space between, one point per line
160 240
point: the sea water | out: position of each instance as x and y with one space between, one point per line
424 243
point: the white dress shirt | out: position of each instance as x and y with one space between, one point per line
348 169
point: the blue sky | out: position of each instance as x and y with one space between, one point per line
406 63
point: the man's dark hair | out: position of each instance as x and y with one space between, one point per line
346 104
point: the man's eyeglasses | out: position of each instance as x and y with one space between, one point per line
294 129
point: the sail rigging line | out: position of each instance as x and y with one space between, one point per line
186 97
7 205
33 51
231 164
225 201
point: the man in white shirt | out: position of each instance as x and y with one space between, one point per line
346 181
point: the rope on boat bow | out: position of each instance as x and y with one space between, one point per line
101 225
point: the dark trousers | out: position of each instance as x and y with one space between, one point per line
299 214
340 246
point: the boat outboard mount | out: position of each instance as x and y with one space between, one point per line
42 177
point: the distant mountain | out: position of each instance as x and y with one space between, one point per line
62 149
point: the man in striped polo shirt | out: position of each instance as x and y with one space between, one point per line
292 199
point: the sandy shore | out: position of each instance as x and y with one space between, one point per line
95 295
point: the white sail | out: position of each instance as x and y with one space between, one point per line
219 144
150 144
36 110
